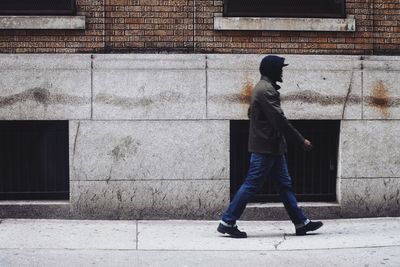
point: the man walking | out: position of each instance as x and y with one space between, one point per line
268 129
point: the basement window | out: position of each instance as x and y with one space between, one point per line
284 15
285 8
34 161
313 173
37 7
40 15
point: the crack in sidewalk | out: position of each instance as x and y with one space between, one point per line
280 242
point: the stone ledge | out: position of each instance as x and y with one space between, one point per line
285 24
149 62
35 210
42 22
301 204
51 62
33 202
276 211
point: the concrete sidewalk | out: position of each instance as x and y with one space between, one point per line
350 242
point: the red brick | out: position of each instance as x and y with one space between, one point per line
167 25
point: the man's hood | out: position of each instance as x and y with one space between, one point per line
271 66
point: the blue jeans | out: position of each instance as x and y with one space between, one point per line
261 166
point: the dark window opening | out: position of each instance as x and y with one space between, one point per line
37 7
285 8
313 173
34 162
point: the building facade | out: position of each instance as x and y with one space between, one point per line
147 93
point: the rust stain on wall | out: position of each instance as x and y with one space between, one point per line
380 99
247 89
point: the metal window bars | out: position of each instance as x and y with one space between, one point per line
313 173
34 162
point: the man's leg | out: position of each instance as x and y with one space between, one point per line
260 164
283 182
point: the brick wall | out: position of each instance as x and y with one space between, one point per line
187 26
386 26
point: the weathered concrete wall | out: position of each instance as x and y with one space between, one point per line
315 87
370 167
45 87
381 88
159 169
149 87
149 134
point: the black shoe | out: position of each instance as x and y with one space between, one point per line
311 226
233 231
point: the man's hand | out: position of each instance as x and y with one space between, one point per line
307 145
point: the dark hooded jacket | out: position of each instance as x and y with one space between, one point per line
268 124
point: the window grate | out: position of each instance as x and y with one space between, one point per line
313 173
285 8
34 162
37 7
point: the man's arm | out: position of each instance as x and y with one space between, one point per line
272 110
